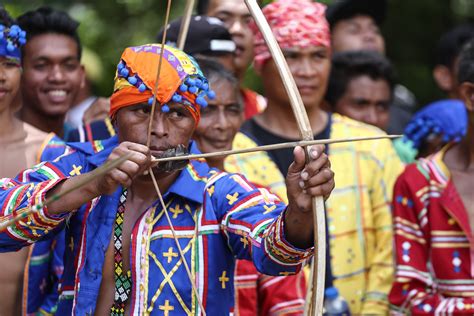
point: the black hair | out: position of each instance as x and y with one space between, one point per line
466 63
450 44
211 68
5 18
46 20
352 64
202 7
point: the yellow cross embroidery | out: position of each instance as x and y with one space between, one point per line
176 210
210 190
170 254
223 279
244 241
71 244
286 273
268 209
76 170
166 308
232 198
188 208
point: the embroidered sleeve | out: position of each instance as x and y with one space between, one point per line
252 220
28 192
414 291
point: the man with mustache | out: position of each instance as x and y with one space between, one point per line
120 256
358 213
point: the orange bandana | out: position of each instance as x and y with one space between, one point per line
181 80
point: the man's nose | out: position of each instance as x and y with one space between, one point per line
371 115
3 75
305 67
159 126
236 27
56 73
369 36
222 120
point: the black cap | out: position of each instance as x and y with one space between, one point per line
345 9
206 36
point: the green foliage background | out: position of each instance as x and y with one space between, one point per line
411 32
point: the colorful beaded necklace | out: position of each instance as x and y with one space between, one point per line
123 281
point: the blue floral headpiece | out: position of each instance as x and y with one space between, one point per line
11 39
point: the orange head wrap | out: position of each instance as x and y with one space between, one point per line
181 80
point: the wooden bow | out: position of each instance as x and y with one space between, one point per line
182 39
315 305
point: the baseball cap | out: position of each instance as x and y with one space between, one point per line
206 36
345 9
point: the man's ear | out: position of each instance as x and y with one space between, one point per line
466 92
442 76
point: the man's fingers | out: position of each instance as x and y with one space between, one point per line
323 176
321 190
140 153
120 177
315 165
298 160
136 147
131 168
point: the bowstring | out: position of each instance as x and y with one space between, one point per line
150 171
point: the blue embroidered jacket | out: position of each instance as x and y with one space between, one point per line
218 217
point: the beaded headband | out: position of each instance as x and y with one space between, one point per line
11 39
181 80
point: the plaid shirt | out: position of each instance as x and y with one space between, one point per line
233 219
434 243
358 211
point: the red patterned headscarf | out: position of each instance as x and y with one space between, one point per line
295 23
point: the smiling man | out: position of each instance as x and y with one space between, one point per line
120 255
52 73
21 146
358 213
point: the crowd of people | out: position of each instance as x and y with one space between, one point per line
233 235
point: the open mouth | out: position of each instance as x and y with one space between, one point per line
306 89
57 95
3 92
